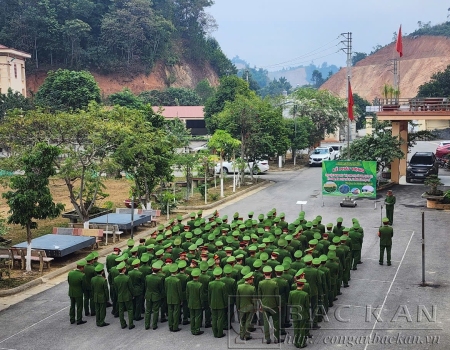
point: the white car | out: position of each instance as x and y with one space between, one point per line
261 166
320 154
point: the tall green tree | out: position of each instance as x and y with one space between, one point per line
360 109
126 98
12 100
438 86
66 90
204 90
29 198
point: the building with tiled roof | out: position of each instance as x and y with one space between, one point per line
192 116
12 70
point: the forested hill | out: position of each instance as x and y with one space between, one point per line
113 36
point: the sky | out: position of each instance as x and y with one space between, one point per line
273 34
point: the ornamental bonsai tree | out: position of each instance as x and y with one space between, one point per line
433 182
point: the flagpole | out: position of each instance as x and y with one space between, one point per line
348 118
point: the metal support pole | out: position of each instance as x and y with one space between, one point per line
132 216
423 249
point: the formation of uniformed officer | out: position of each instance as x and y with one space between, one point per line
204 272
385 233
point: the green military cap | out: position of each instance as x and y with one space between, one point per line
329 225
176 229
219 243
227 249
179 217
331 254
125 256
227 269
157 265
195 272
150 246
134 249
207 227
264 256
182 264
130 242
245 270
346 229
279 268
95 254
275 252
229 239
299 272
339 219
192 247
240 256
332 247
282 242
385 220
99 268
287 259
136 262
197 224
298 254
177 241
313 242
251 213
232 225
260 230
225 217
267 223
336 239
119 258
81 262
160 227
213 224
261 217
246 238
257 264
145 258
278 231
316 261
236 215
323 257
253 236
301 281
297 222
121 265
318 218
276 220
315 222
171 221
267 269
248 276
356 225
288 238
217 271
308 250
286 265
231 259
262 245
188 235
199 242
159 252
216 231
173 268
282 215
317 235
210 262
89 257
291 227
211 237
192 215
168 245
271 238
159 238
343 238
197 231
219 221
200 212
354 220
236 233
307 258
309 224
242 227
252 248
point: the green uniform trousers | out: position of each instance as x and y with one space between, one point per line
196 320
151 308
388 253
78 303
163 309
185 309
207 311
390 214
217 318
100 313
115 305
276 323
314 306
138 301
174 316
245 319
356 254
299 333
128 306
89 302
229 315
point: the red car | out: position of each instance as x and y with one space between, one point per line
442 151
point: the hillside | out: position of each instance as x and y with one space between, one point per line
422 57
295 76
183 75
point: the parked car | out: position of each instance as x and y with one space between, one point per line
421 165
445 142
261 166
337 149
443 150
320 154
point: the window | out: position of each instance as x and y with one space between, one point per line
15 70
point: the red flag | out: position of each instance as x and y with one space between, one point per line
399 46
350 102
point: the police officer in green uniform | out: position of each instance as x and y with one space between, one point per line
194 291
299 303
89 272
217 300
75 279
100 291
245 303
138 289
154 293
389 202
124 289
269 296
385 233
174 296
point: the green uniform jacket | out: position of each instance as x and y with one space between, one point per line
75 279
99 287
245 298
184 280
313 278
299 302
194 291
154 287
357 239
334 270
138 282
269 293
231 287
283 288
111 261
124 288
174 294
217 296
386 234
89 272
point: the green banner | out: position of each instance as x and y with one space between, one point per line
349 178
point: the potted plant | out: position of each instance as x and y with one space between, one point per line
436 198
389 93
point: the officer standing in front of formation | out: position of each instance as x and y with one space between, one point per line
75 279
385 233
389 202
100 291
124 290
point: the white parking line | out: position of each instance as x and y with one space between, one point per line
389 289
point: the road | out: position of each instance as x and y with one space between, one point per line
408 313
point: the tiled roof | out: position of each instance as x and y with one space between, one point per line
189 112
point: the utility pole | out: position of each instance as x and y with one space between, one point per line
348 50
294 153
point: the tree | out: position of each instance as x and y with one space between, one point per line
126 98
177 133
223 143
299 129
438 86
204 90
65 90
360 109
317 79
171 97
187 162
75 30
12 100
380 146
30 198
276 88
358 56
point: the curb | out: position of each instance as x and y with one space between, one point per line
109 249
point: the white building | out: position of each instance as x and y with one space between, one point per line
12 70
